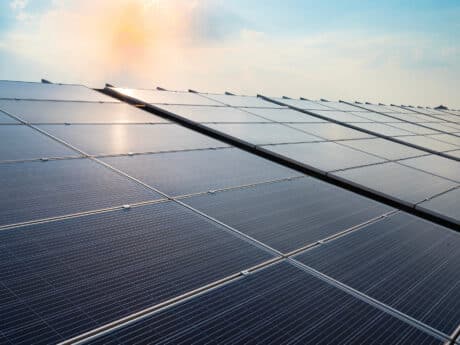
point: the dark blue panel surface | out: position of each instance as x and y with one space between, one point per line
63 278
288 215
179 173
279 305
35 190
20 142
76 112
122 139
403 261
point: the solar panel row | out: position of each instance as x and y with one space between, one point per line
87 241
344 153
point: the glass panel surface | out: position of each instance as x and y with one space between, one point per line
20 142
446 205
398 182
259 134
5 119
37 190
403 261
179 173
288 215
384 148
301 104
331 131
58 92
77 112
451 139
283 115
414 128
437 165
213 114
340 116
429 143
278 305
61 279
122 139
166 97
242 101
383 129
325 156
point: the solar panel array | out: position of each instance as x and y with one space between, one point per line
120 226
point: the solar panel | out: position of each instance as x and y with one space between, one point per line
384 148
165 210
302 104
179 173
384 129
212 114
407 185
324 156
436 165
20 142
414 128
290 214
341 116
259 134
430 143
331 131
283 115
76 112
240 101
36 190
166 97
445 205
403 261
63 278
123 139
278 305
451 139
57 92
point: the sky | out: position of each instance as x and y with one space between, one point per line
401 52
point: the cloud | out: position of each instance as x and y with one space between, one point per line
182 44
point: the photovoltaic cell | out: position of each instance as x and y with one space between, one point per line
324 156
290 214
384 148
383 129
166 97
63 278
179 173
241 101
414 128
452 139
340 116
259 134
396 181
283 115
278 305
301 104
20 142
122 139
331 131
446 205
77 112
437 165
429 143
212 114
377 117
36 190
403 261
58 92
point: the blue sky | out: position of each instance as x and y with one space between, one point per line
379 51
